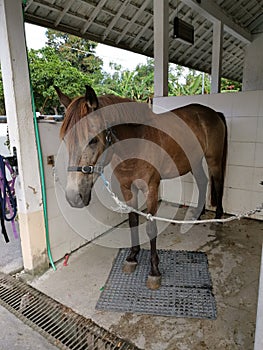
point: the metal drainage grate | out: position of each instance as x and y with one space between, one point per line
56 322
186 289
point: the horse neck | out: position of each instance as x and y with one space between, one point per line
125 131
125 113
125 121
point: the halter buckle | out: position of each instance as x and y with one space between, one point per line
87 169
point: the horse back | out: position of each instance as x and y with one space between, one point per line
208 125
199 115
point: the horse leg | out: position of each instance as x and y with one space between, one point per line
201 181
131 197
217 189
131 261
154 278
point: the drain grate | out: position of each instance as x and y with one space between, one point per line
56 322
186 289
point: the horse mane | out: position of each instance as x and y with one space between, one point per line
78 109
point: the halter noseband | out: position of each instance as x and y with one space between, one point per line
94 169
87 169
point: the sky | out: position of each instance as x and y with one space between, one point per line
35 38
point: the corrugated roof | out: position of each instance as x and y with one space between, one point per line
128 24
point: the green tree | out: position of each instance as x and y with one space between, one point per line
78 51
230 85
136 84
192 83
47 70
66 61
70 62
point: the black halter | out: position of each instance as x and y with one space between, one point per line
94 169
87 169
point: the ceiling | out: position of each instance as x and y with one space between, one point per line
128 24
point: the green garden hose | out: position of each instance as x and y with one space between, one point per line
41 166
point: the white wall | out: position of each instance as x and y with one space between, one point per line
244 115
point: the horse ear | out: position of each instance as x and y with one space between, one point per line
91 97
64 99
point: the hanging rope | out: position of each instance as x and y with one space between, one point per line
8 206
124 208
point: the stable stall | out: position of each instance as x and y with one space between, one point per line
222 47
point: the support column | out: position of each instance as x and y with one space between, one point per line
22 135
161 42
217 51
253 67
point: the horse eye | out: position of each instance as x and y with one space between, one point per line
93 141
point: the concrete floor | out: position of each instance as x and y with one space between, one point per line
16 335
10 253
234 252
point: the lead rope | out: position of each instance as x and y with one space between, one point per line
124 208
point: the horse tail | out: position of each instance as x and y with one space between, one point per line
223 163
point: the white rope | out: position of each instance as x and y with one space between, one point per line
124 208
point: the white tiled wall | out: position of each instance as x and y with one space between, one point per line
244 115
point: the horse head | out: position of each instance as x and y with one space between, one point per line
86 139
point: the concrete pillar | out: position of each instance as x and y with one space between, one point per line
161 40
217 57
22 135
253 65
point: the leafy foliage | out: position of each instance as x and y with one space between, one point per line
78 51
70 62
136 84
47 70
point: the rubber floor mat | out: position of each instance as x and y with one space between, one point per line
186 288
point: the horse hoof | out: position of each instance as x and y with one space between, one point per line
129 266
154 282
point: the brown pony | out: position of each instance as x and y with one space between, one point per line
143 148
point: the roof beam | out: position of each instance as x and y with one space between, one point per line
201 48
213 12
141 32
116 18
62 14
94 14
28 4
139 12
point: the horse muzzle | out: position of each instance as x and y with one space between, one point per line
76 199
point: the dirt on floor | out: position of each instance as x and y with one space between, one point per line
234 253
